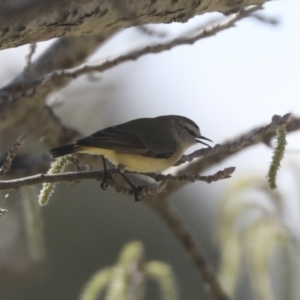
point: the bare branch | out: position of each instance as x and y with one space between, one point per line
63 53
32 49
266 19
145 191
185 39
221 152
41 21
42 121
168 215
27 164
223 174
11 154
74 176
20 102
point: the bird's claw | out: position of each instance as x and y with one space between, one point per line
106 176
103 185
136 192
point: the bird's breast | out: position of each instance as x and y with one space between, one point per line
135 162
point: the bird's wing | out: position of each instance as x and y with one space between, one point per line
122 139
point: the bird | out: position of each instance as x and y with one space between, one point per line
144 145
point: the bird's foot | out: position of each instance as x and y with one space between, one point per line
136 191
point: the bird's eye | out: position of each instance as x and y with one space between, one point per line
191 132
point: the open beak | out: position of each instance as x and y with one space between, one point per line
203 138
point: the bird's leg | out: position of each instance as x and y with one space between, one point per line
106 175
135 189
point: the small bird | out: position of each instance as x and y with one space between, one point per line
146 145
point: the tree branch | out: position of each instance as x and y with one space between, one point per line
20 102
213 155
27 164
11 154
42 20
226 173
185 39
169 216
98 175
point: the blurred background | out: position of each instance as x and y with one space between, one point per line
228 84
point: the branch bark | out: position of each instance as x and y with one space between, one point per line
98 175
21 102
34 21
172 219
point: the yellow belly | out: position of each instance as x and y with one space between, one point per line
134 162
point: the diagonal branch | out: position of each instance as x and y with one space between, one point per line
185 39
21 102
223 174
169 216
213 155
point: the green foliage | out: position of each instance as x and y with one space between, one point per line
163 274
126 280
251 233
48 188
277 156
33 223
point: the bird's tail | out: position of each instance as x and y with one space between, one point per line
64 150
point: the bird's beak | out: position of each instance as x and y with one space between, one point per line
203 138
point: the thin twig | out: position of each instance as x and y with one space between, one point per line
213 155
252 137
20 97
265 19
25 164
11 154
145 190
185 39
223 174
151 32
32 49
